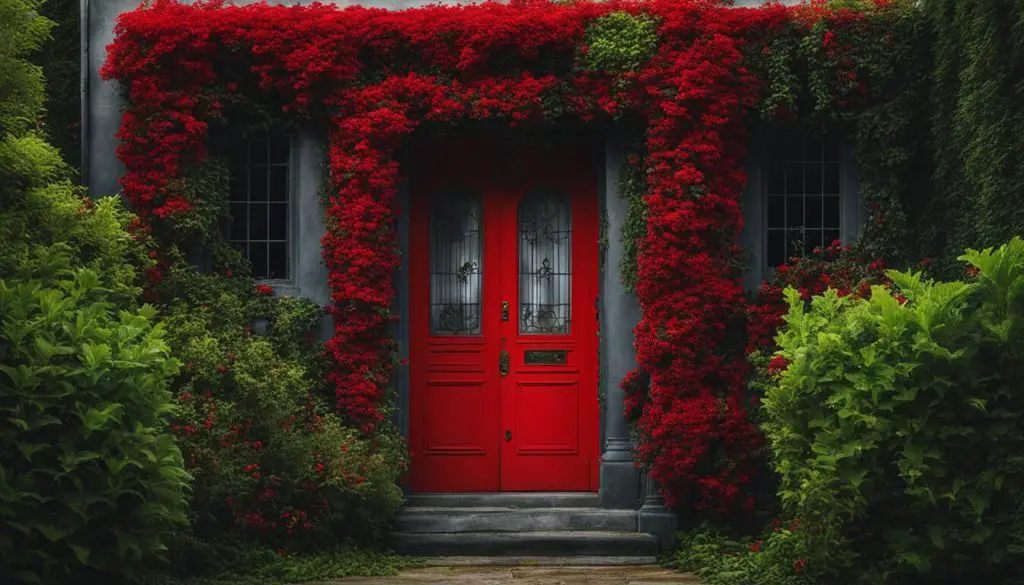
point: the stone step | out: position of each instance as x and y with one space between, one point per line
505 500
534 543
492 519
524 561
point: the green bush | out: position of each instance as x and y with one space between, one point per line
91 478
898 427
273 464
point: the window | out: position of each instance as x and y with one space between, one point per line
260 201
545 230
456 269
803 196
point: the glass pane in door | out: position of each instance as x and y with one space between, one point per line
456 263
545 238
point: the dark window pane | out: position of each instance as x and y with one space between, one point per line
258 257
831 212
258 222
776 179
831 152
794 212
279 149
832 179
239 219
830 236
239 186
278 221
794 148
794 179
776 212
278 261
813 212
813 148
242 248
812 240
258 184
258 151
795 240
812 179
278 183
776 247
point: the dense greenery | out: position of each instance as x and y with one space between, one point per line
977 126
94 484
92 479
895 426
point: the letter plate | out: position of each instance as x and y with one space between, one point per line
545 357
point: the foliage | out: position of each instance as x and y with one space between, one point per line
91 479
894 425
690 69
977 127
60 58
620 42
631 188
236 563
22 31
271 461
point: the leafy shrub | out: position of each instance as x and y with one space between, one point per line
273 463
897 427
91 476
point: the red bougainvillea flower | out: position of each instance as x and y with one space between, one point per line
689 395
778 365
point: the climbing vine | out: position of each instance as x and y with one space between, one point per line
696 72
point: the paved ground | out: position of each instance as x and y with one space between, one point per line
647 575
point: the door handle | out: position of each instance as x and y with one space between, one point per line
503 363
508 436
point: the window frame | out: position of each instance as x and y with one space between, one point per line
754 199
291 225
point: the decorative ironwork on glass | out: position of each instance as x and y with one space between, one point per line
456 249
545 272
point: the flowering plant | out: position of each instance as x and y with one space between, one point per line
373 77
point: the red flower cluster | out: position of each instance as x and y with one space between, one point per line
377 75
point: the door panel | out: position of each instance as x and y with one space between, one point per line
454 410
549 272
475 424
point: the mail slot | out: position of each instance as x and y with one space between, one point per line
545 357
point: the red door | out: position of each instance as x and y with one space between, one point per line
503 352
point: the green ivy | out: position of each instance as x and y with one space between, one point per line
632 186
620 41
977 124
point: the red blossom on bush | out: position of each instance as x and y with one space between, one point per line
778 364
689 400
264 289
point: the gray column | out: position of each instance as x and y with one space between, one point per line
401 374
654 518
619 312
101 102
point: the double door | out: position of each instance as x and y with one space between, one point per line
503 356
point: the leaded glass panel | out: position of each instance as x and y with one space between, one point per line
545 274
456 277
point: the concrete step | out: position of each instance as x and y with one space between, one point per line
492 519
534 543
523 561
505 500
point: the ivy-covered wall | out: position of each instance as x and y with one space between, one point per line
977 126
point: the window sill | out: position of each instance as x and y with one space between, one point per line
281 288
